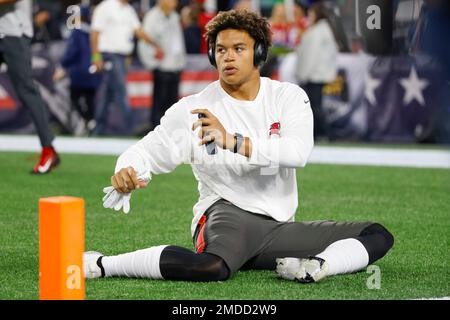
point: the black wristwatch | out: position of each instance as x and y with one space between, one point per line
239 140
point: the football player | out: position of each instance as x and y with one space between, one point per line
261 130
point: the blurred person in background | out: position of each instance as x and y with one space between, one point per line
191 30
114 26
299 25
432 26
77 61
48 20
280 27
16 31
265 7
317 65
203 18
430 39
160 20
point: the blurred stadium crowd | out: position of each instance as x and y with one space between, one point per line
390 86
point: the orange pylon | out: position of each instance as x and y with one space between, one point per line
61 247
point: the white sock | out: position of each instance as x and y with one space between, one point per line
345 256
138 264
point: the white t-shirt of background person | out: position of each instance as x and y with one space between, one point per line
16 19
265 183
167 32
117 23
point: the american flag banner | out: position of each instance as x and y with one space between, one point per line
407 100
388 99
140 85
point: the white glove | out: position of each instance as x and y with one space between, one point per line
117 200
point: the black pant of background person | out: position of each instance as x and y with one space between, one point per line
83 100
165 93
16 53
314 92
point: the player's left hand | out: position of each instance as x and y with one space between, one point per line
212 130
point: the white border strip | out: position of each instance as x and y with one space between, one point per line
321 154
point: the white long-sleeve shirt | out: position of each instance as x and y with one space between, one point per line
254 184
317 54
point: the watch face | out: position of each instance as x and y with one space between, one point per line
239 140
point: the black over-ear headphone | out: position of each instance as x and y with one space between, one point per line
259 54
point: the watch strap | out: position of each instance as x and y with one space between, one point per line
239 140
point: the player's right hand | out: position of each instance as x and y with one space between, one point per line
126 180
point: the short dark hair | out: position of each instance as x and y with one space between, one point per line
320 10
256 26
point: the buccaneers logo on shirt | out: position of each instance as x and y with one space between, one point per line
274 128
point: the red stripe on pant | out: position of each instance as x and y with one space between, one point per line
201 235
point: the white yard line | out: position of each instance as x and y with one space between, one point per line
417 158
381 157
103 146
441 298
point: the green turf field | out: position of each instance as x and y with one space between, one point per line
414 204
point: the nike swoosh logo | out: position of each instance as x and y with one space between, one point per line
306 101
44 168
